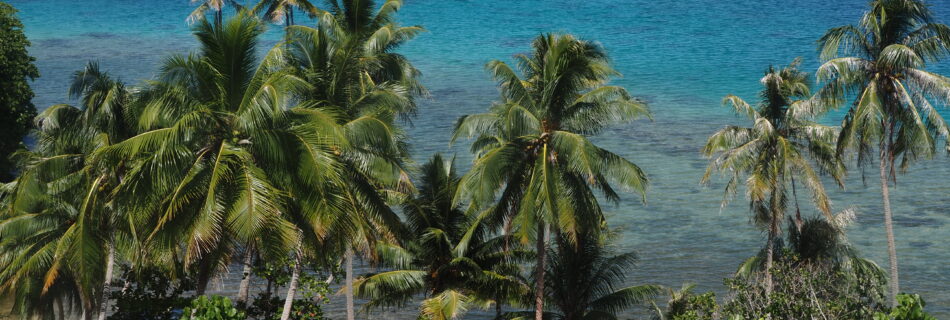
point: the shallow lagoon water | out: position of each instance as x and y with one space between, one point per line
681 56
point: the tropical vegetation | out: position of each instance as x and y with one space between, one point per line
781 145
16 69
291 162
880 62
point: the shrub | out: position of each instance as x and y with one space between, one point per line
16 72
312 293
214 308
909 307
147 294
694 307
807 291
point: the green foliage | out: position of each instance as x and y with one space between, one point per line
909 307
807 291
312 292
58 217
148 294
447 305
214 308
447 251
684 305
584 280
16 70
783 144
304 309
532 149
878 68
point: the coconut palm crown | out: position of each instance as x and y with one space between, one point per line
450 250
225 160
60 220
783 145
532 147
881 62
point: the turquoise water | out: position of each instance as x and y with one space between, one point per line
681 56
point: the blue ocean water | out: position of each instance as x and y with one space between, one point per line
681 56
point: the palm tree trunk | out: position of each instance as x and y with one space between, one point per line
539 275
350 312
107 283
246 275
292 287
889 228
769 254
201 283
87 306
497 309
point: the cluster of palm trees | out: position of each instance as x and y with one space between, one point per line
876 69
227 155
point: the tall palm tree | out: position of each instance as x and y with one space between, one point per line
224 160
60 221
215 6
350 62
283 10
584 281
534 144
881 62
448 250
775 152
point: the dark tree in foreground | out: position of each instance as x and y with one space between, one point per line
16 66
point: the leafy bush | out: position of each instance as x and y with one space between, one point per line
909 307
306 310
693 307
215 308
807 291
147 294
16 72
311 291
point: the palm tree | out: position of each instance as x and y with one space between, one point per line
59 220
881 62
349 60
224 160
283 10
534 144
449 251
775 152
215 6
584 280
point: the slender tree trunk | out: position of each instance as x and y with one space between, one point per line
498 309
87 307
798 211
539 275
350 311
889 228
107 283
246 275
292 287
202 284
769 254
